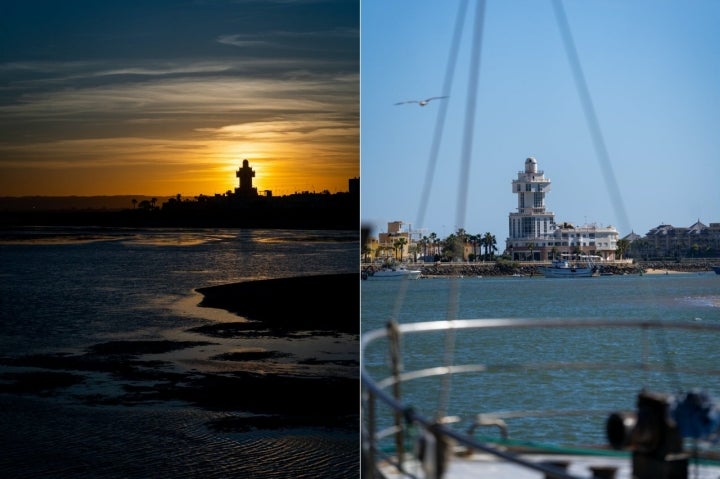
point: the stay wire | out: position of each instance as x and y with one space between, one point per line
590 116
465 161
442 113
601 150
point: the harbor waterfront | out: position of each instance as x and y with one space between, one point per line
532 268
688 297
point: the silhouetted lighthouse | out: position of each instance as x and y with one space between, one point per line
246 174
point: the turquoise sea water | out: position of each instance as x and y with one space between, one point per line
519 384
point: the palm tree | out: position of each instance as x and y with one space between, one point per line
475 240
413 249
399 244
531 247
461 239
622 246
483 246
365 252
490 244
448 247
434 241
423 243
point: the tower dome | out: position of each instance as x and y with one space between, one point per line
531 165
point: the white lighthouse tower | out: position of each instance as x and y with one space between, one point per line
534 235
531 224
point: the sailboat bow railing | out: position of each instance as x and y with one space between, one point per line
436 436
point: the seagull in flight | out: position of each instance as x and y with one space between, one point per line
421 102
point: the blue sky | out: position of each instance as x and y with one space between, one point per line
162 97
652 70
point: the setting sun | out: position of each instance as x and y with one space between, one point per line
133 123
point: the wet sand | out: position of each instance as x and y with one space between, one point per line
662 271
142 371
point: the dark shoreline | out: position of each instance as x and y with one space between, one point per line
327 302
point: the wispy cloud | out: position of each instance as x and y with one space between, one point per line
286 38
285 130
174 95
243 41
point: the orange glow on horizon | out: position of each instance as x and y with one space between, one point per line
190 168
183 126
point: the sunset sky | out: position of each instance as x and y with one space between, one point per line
161 97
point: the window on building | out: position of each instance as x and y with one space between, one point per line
528 227
537 200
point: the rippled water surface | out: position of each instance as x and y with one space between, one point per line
64 290
518 384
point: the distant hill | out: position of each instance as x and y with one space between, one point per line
68 203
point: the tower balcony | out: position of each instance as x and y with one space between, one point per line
533 211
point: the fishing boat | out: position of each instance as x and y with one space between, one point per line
562 268
392 272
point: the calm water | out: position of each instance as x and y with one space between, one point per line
62 290
683 297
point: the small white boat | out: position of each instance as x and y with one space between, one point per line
390 272
561 268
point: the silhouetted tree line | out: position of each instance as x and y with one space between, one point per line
298 211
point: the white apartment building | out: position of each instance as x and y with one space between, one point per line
534 234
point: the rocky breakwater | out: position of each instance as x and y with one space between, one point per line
500 268
514 268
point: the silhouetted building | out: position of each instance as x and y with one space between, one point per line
246 174
354 185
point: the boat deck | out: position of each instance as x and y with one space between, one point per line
482 465
644 435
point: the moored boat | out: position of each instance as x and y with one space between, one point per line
390 272
562 268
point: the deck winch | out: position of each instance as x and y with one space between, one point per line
654 433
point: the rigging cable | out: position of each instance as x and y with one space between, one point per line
601 150
590 116
442 114
465 160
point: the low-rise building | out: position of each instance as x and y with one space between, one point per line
396 243
667 241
